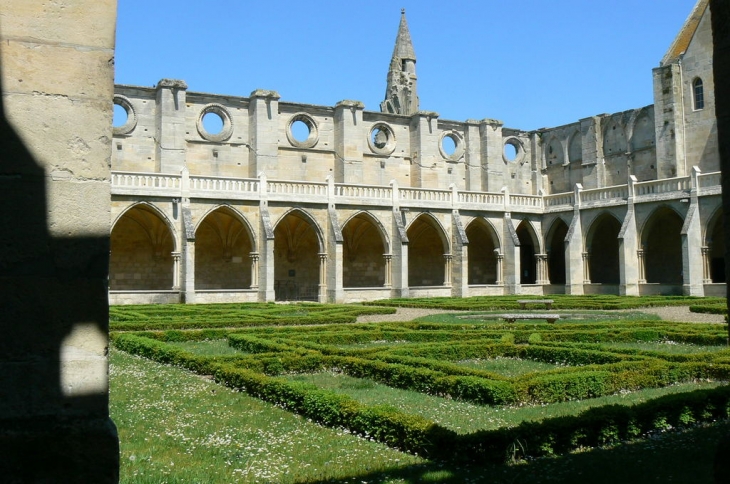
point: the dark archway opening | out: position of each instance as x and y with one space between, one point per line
603 250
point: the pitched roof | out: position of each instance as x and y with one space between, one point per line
403 45
681 42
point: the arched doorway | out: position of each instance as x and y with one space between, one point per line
296 258
363 250
222 251
662 245
426 248
602 247
555 248
528 263
141 251
482 257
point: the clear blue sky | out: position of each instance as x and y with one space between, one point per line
529 63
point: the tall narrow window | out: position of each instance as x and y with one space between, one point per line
699 93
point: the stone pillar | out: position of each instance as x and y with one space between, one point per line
426 161
500 262
493 166
57 83
642 267
170 126
542 272
266 242
263 129
188 271
691 234
592 164
176 271
459 271
400 248
669 121
706 273
447 269
629 266
586 268
575 263
511 257
254 256
388 259
350 138
322 287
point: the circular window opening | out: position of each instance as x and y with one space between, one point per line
448 144
379 138
300 130
120 116
510 152
213 123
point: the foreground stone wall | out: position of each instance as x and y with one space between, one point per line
57 63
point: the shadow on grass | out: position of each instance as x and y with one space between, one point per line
684 457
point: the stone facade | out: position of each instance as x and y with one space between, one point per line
57 76
291 201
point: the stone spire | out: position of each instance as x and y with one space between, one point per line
401 96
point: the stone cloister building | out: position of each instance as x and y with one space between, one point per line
291 201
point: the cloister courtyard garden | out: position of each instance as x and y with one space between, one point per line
473 390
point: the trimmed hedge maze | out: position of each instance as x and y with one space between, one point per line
589 360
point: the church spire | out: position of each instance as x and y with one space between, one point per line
401 96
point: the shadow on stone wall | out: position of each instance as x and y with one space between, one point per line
50 431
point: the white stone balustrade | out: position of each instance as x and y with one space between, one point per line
157 184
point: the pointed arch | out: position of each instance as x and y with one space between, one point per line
298 241
661 241
602 246
575 147
142 241
483 248
426 250
223 244
715 243
365 243
235 213
529 248
555 249
152 208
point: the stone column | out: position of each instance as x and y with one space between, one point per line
573 249
254 256
500 261
388 258
188 271
542 269
175 271
322 293
350 139
511 255
57 83
627 249
642 274
706 273
447 269
263 115
586 268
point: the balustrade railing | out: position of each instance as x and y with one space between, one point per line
605 194
365 192
424 195
668 185
132 182
144 180
224 184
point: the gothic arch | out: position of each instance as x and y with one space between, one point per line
529 248
661 242
298 242
602 247
714 241
223 244
555 249
483 248
427 247
364 245
237 215
155 210
142 242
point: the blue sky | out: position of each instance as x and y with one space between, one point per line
531 64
